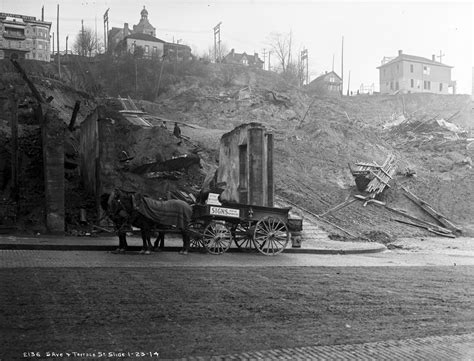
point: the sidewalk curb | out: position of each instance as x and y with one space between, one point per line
55 247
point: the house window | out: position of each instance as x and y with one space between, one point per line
411 69
427 85
155 50
245 61
440 87
426 70
147 49
332 79
412 83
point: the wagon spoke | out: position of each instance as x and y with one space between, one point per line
217 237
271 235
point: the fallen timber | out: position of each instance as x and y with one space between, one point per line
450 235
321 218
441 219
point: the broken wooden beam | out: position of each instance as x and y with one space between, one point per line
72 122
339 206
450 235
409 216
441 219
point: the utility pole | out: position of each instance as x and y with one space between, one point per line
96 41
57 37
67 38
332 62
349 82
342 67
217 41
264 57
441 56
82 38
106 30
269 66
304 66
53 44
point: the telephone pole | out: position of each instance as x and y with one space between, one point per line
264 57
57 37
217 42
269 66
342 67
304 66
440 56
106 30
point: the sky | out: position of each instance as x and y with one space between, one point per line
371 30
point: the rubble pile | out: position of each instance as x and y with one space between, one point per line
428 134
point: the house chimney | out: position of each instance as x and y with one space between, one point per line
433 57
42 13
232 52
400 53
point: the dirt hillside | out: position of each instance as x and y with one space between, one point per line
318 136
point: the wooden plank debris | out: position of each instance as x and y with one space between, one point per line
374 178
441 219
450 235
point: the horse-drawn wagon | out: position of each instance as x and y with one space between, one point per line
215 227
243 212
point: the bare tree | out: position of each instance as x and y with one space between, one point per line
280 45
85 43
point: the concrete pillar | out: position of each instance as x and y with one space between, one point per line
270 182
52 133
256 164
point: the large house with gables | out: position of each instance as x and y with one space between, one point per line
415 74
142 40
244 59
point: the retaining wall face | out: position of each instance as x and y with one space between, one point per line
53 155
89 152
146 145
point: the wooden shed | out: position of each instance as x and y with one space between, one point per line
246 165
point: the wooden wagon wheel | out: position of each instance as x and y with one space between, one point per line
217 237
271 236
195 231
243 236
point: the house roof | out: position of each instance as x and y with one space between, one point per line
413 58
322 76
146 37
114 31
238 57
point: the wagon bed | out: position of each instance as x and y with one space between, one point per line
215 227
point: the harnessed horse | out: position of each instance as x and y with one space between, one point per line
146 213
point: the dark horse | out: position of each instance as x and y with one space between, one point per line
146 213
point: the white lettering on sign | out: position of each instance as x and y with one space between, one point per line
226 212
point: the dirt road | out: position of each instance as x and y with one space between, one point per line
187 310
